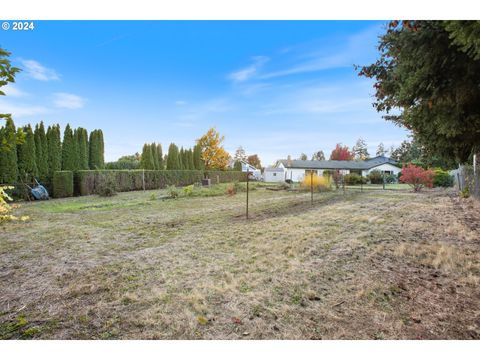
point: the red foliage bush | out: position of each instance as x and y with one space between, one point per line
417 177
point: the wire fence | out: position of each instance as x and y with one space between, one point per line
467 179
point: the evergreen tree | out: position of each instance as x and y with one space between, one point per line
191 166
237 165
197 158
147 161
161 164
81 139
76 146
156 162
27 166
381 150
68 150
8 153
41 149
360 150
54 147
101 150
96 154
181 165
172 159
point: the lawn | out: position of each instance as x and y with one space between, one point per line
364 265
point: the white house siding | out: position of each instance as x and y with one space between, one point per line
298 175
384 167
274 176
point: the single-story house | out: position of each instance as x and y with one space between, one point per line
296 170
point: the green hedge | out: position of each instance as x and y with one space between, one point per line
62 184
88 181
225 176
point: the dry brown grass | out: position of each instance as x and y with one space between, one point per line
365 265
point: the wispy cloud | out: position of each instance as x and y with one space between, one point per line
13 91
180 102
306 58
248 72
21 110
68 101
39 72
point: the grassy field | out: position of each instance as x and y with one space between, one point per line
364 265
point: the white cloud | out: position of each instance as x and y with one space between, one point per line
39 72
21 110
13 91
248 72
68 101
180 102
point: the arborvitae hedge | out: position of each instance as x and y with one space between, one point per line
69 154
225 176
27 166
88 181
62 184
8 153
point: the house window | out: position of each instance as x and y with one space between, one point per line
308 172
274 174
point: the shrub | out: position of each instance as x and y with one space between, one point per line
188 190
391 179
172 192
417 177
320 183
442 178
375 177
465 193
354 179
62 184
6 208
231 190
107 185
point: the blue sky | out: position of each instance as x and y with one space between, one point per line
277 88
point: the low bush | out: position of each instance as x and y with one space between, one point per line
442 178
354 179
391 179
188 190
320 183
62 184
231 190
375 177
417 177
172 192
6 208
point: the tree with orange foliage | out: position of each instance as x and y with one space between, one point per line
214 155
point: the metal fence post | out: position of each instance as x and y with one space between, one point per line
311 186
383 172
248 180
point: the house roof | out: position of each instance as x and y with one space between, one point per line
337 164
275 169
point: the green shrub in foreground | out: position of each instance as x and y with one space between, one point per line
442 178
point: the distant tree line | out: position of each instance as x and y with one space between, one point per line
32 152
